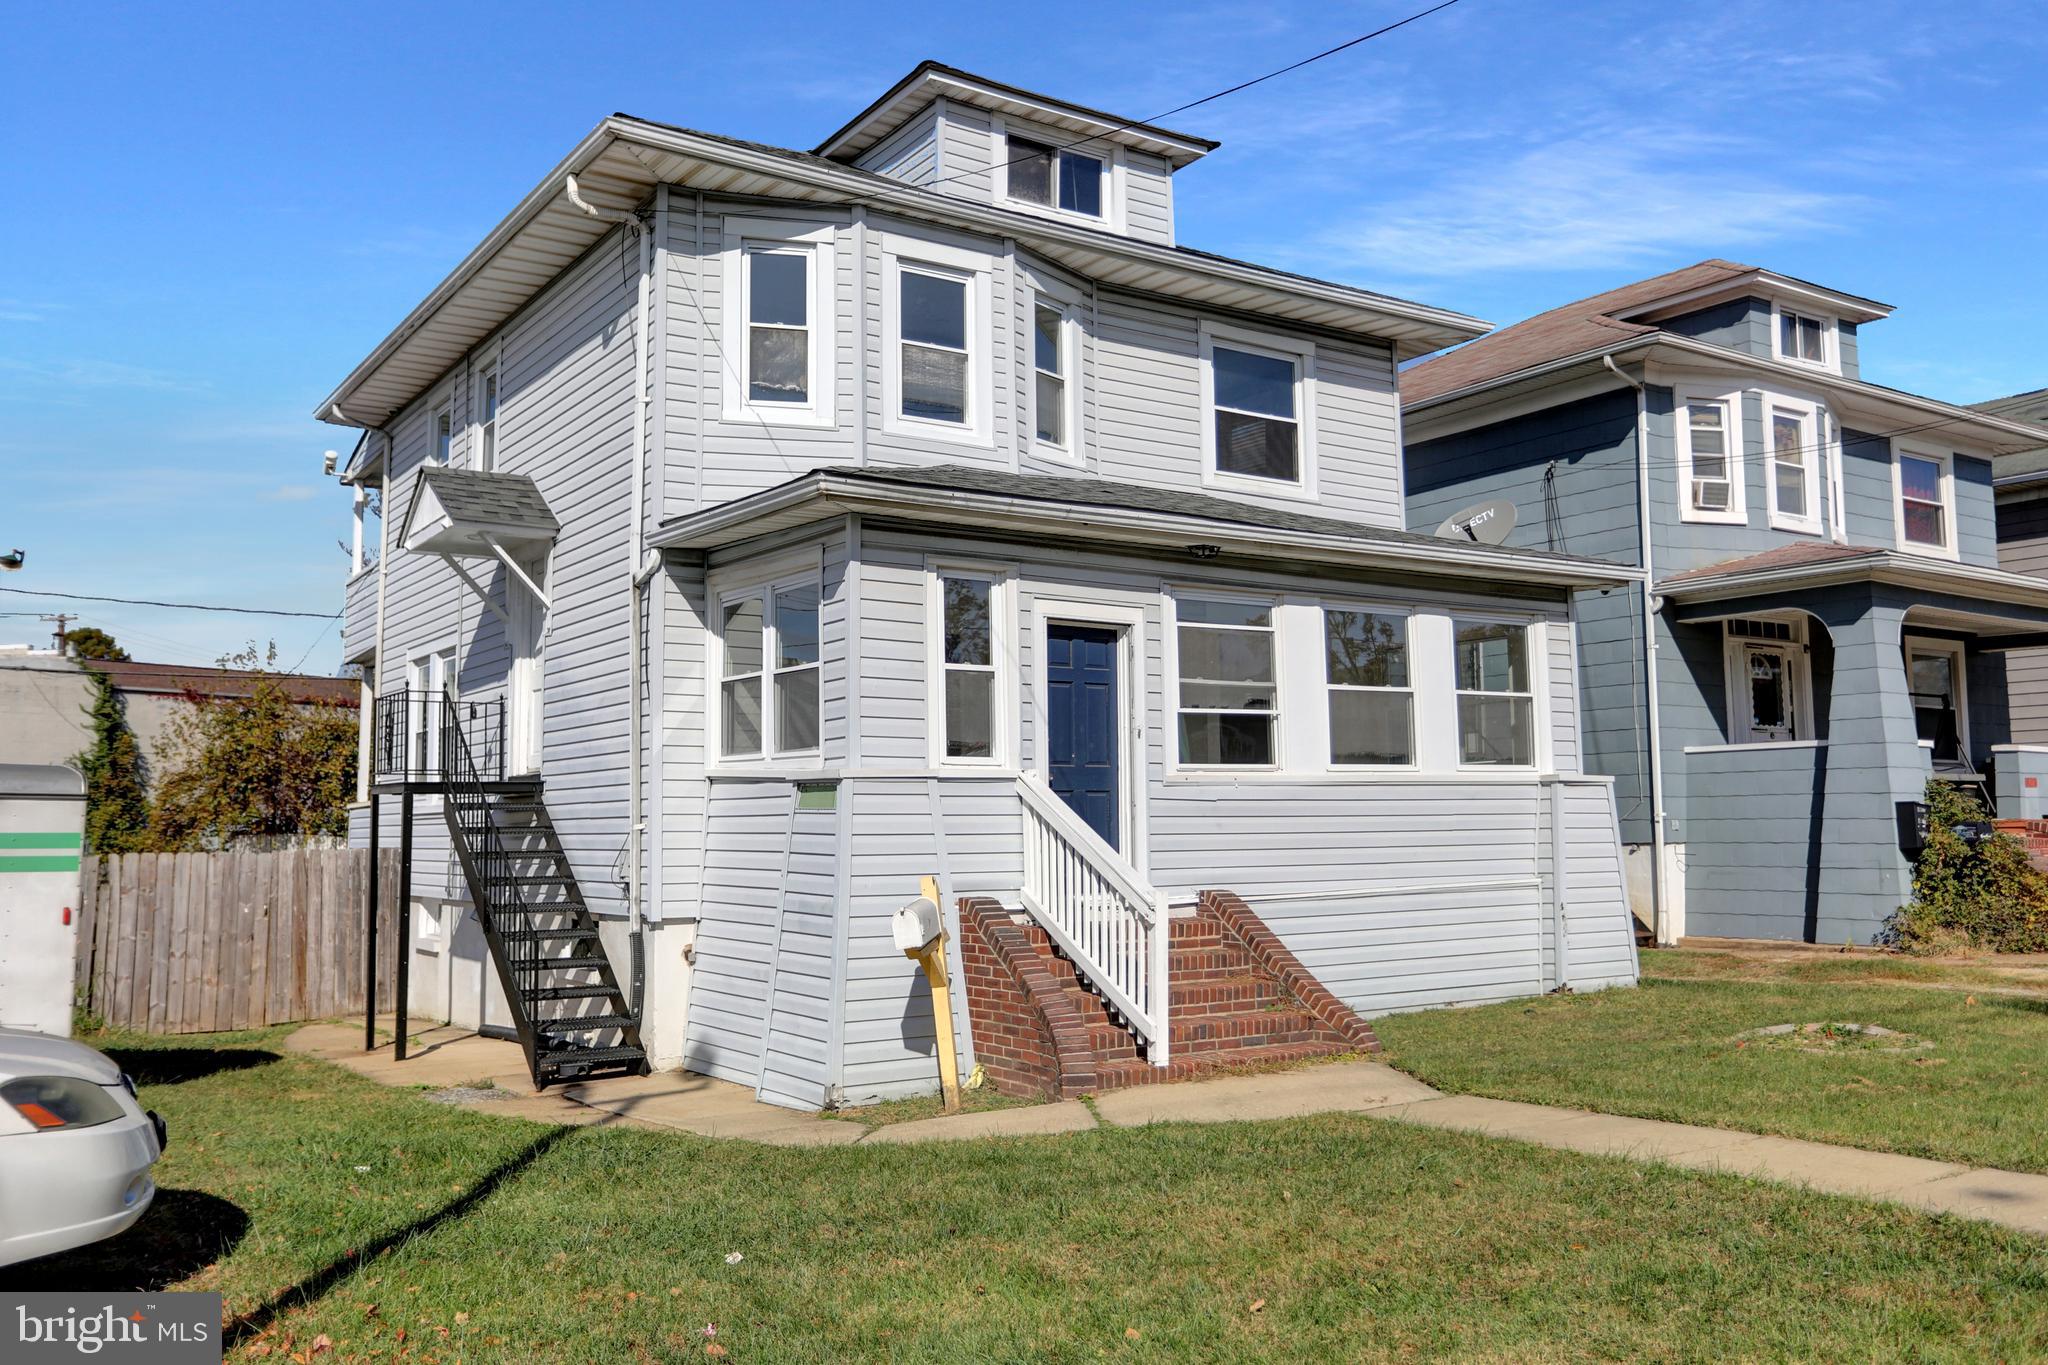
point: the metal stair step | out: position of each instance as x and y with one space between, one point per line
561 964
588 1023
535 993
564 935
573 1060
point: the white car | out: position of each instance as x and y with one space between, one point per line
75 1146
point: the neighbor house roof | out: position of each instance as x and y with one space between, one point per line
935 80
1101 511
1793 567
2023 466
619 164
1600 320
179 679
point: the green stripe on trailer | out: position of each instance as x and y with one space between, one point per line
42 841
49 862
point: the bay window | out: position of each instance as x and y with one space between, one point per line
1496 702
969 644
1229 698
1371 703
769 671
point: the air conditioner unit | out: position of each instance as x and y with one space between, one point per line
1710 495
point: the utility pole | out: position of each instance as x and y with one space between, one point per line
63 622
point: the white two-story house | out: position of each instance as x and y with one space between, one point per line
764 531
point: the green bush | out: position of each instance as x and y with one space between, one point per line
1986 896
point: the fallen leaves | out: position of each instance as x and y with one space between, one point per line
1258 1306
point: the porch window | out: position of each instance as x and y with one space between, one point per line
1229 699
487 419
1924 481
936 361
1496 701
1372 707
1934 674
1794 464
1054 177
967 664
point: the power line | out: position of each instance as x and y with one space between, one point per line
177 606
1129 124
300 666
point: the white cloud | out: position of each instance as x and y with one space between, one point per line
1591 201
292 492
92 374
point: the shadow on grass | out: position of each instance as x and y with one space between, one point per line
2026 1004
317 1284
183 1232
172 1065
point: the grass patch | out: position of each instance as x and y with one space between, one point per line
979 1101
1707 964
495 1240
1669 1050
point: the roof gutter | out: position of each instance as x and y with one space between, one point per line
832 495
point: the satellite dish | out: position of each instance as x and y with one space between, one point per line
1483 523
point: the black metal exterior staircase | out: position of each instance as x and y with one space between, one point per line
573 1019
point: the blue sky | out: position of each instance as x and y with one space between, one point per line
213 211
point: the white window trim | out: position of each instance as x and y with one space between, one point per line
975 269
1416 710
443 406
1070 355
489 362
1002 611
1133 842
1111 155
1737 511
419 682
1958 670
1830 339
820 241
1303 354
1812 437
763 579
1947 462
1735 682
1281 675
1536 641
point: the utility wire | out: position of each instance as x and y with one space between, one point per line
178 606
1129 124
300 666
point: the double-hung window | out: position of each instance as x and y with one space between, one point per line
1229 701
443 435
426 684
969 637
1259 432
936 363
768 678
1710 448
487 418
1802 337
1925 480
779 344
1496 699
1054 177
1792 459
1372 702
1054 366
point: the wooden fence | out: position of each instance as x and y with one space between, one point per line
197 942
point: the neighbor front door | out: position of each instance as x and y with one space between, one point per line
1082 711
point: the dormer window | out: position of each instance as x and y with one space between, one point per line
1054 177
1803 337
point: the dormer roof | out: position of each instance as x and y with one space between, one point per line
1602 319
935 80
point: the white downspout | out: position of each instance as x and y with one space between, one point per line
1660 913
637 573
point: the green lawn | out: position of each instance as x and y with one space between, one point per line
1339 1238
1672 1050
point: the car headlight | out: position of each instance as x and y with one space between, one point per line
52 1103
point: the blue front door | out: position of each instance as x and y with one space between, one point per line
1081 716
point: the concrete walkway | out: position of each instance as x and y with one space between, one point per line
443 1058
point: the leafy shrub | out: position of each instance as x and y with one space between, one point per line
1986 896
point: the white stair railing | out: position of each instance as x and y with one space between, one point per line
1098 910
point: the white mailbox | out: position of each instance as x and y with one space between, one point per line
916 925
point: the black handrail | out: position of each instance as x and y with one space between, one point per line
408 730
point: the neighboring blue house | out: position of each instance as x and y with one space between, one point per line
1826 614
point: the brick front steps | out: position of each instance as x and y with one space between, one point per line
2032 833
1240 999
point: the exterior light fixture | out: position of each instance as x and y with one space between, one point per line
1205 551
13 560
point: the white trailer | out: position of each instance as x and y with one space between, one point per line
42 837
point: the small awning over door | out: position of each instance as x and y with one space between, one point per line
467 512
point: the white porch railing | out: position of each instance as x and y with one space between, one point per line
1100 912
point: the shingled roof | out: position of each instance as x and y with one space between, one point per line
492 499
2031 406
1588 324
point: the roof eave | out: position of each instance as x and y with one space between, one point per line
832 495
1894 567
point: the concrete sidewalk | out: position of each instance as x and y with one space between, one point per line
443 1058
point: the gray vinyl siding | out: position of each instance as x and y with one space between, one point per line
1872 497
2023 548
359 615
1851 351
1148 197
911 153
966 152
748 828
1739 324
